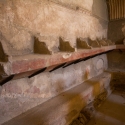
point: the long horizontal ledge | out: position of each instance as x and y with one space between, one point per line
26 63
33 64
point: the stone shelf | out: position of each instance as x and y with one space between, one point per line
20 64
26 65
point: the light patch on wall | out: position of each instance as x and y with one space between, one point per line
100 64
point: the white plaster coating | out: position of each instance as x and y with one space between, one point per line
24 19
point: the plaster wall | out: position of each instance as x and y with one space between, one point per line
49 84
21 20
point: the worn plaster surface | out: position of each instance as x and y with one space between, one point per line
21 20
46 85
58 80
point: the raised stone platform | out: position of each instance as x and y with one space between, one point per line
62 109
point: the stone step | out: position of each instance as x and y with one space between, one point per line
62 109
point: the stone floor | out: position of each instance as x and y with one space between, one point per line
111 112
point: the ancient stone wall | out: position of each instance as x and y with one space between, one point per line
21 21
